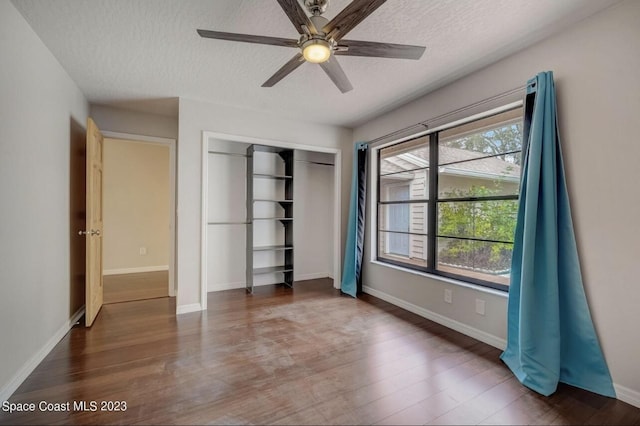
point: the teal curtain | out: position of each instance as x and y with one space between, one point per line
550 334
354 248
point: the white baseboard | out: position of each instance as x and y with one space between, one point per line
483 336
628 395
185 309
27 368
314 276
137 270
226 286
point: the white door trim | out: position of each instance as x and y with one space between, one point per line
171 143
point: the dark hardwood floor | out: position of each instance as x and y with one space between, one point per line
307 356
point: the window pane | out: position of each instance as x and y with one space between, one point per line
404 186
406 248
491 136
489 220
476 259
402 236
406 217
479 178
397 244
497 142
394 217
410 155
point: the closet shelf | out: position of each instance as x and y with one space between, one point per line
272 248
272 269
265 200
268 176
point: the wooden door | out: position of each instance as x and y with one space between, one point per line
93 233
77 215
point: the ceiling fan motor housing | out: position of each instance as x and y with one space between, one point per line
319 22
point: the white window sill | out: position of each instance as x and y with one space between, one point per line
447 280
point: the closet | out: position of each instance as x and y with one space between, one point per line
268 215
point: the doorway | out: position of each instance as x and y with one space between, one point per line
139 202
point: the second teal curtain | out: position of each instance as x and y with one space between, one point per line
550 334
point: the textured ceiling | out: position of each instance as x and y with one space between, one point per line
139 53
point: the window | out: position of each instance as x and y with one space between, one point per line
447 202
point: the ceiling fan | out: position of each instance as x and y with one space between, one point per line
321 40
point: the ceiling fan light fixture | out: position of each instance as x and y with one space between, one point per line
316 51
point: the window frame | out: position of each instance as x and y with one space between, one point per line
433 200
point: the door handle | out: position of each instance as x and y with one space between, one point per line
90 232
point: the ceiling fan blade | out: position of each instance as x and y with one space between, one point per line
379 50
248 38
297 16
351 16
286 69
336 74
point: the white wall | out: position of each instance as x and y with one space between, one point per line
313 220
136 212
38 100
196 117
134 122
595 64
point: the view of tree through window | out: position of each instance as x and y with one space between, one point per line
473 208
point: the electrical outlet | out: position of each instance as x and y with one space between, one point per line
448 295
480 305
143 251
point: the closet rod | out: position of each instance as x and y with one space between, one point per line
232 154
227 223
425 123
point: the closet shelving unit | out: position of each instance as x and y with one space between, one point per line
283 247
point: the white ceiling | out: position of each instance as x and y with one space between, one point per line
139 53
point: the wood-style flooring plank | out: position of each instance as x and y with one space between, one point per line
281 356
